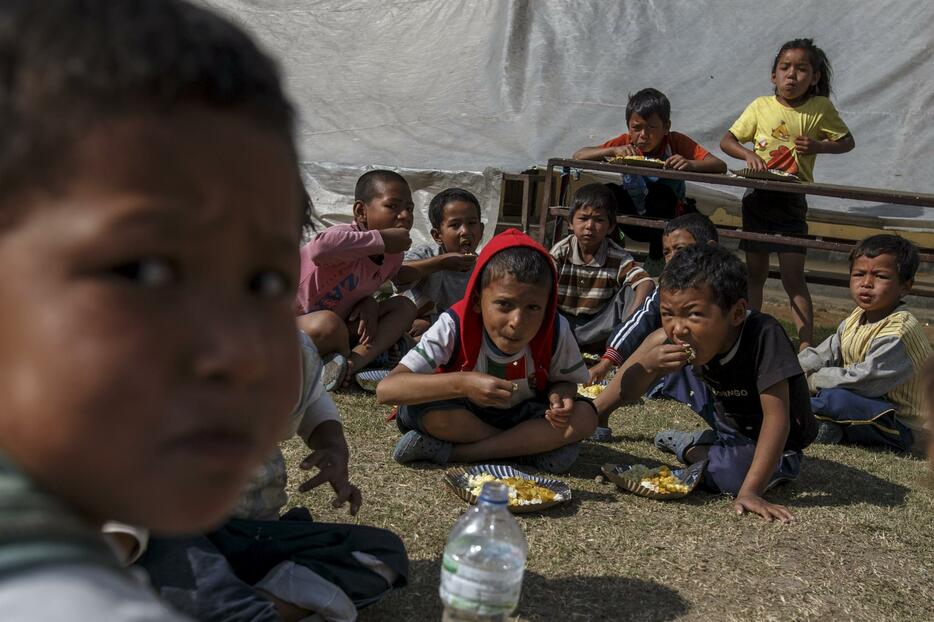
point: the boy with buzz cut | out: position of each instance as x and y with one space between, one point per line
648 119
866 375
684 386
760 414
599 284
149 218
435 275
509 369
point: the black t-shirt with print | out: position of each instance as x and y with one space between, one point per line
762 357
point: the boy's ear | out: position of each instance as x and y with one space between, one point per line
436 236
738 312
359 213
475 301
906 287
668 125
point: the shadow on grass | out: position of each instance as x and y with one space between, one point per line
826 483
543 598
598 598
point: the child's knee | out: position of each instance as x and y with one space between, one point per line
320 323
583 422
399 307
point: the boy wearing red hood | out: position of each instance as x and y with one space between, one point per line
496 375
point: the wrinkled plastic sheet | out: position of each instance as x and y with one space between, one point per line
501 85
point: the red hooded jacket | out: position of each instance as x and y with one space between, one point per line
470 322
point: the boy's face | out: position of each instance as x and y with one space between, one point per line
590 226
875 286
461 229
647 134
149 356
693 317
391 207
675 241
512 311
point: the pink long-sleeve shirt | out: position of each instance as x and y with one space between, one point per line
338 271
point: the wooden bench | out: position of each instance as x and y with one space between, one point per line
817 277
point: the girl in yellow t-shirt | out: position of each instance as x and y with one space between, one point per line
787 131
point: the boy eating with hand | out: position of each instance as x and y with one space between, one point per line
866 376
760 415
683 386
435 275
509 369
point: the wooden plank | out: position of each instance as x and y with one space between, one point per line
831 190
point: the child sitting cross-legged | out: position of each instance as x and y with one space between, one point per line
599 284
866 375
344 265
435 275
683 386
509 370
760 415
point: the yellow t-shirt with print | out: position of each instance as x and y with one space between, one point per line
772 128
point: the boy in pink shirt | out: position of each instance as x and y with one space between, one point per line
344 265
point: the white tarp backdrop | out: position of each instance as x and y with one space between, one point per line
484 86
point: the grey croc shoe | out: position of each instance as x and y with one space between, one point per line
415 446
677 442
556 461
333 371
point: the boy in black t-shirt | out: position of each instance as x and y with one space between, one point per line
761 415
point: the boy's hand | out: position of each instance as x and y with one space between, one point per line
487 390
758 505
807 146
679 163
366 314
396 240
756 163
665 359
332 468
559 410
625 150
458 262
599 371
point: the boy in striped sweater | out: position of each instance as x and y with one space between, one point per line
865 377
599 283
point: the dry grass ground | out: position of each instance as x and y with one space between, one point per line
862 547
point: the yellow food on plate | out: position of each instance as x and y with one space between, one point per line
592 391
521 491
663 482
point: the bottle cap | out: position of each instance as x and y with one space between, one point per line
495 493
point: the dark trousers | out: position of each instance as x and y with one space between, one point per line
865 420
210 577
660 202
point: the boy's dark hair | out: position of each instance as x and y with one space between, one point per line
368 185
436 206
818 61
525 264
905 253
705 264
595 196
648 102
699 226
66 65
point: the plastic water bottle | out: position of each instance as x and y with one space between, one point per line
484 559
